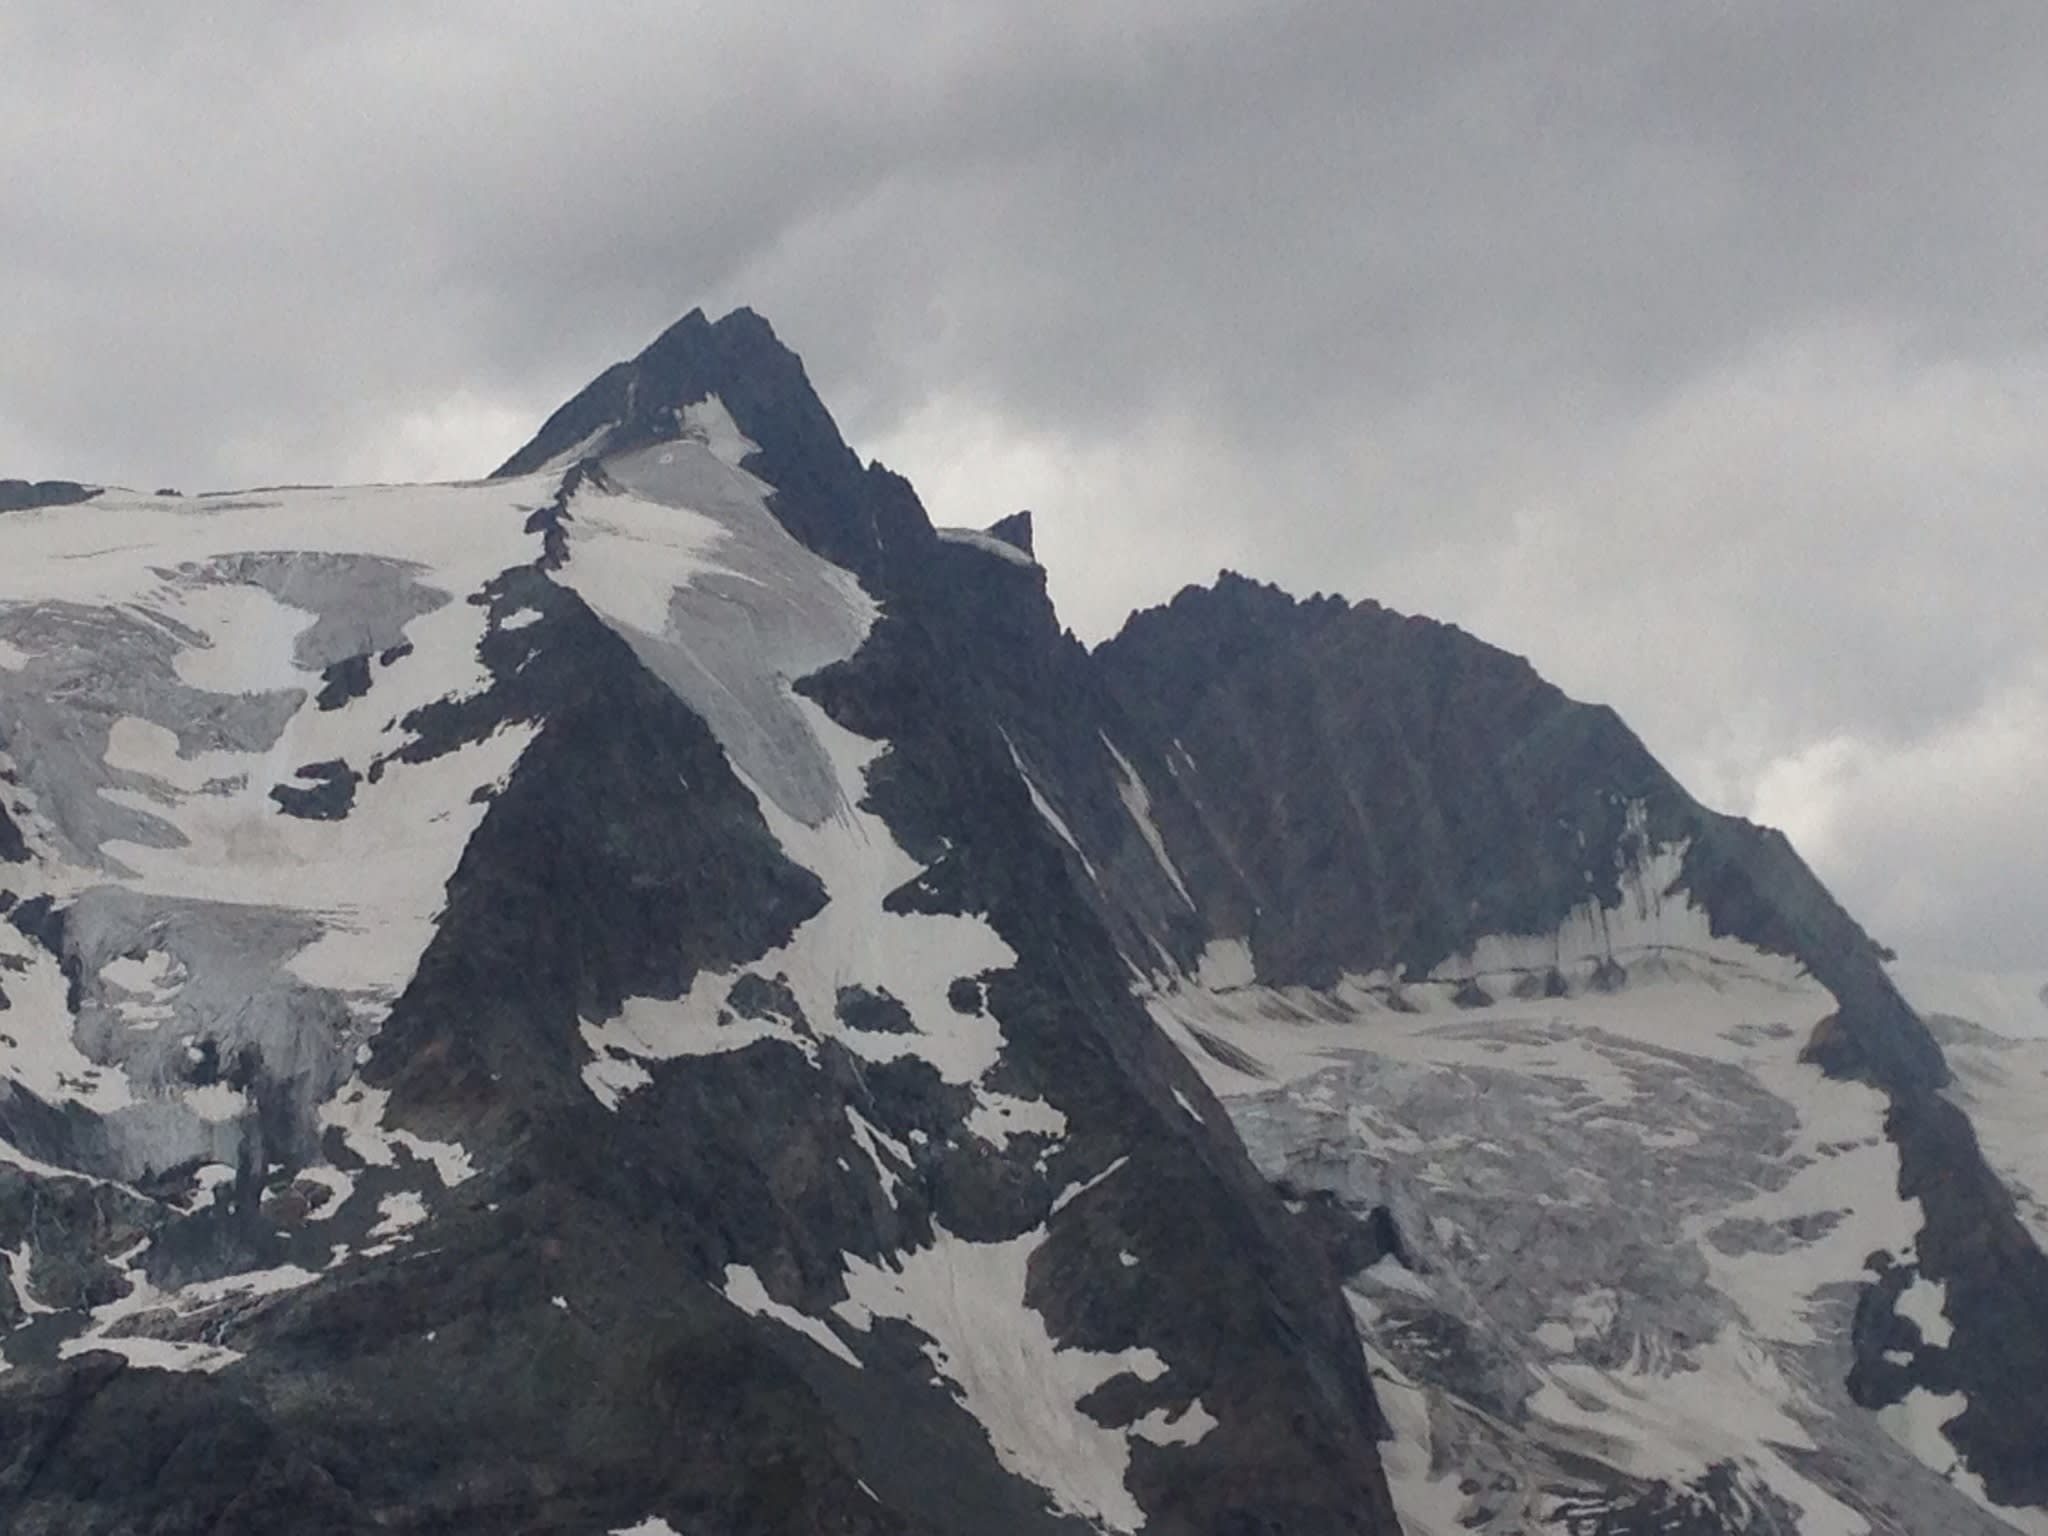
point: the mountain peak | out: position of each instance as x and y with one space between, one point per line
1014 530
860 518
634 403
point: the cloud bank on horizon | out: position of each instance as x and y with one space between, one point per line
1695 350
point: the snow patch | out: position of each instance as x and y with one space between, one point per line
1011 1374
216 1102
1225 965
575 452
996 1117
1427 1499
357 1111
709 422
19 1263
339 1186
207 1184
988 544
743 1288
873 1142
115 1325
398 1213
1175 1427
1389 1273
1924 1303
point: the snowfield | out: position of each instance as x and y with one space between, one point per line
1633 1221
204 720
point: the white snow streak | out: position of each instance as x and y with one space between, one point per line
1073 1192
743 1288
1044 807
988 544
1138 801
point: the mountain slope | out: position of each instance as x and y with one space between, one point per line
542 1006
1488 862
660 991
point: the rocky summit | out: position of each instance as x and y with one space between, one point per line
659 992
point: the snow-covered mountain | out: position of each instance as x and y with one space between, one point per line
659 992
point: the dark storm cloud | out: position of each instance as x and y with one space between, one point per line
1695 350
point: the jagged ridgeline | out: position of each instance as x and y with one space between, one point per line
660 992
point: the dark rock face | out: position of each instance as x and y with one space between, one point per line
1996 1279
41 919
13 846
26 495
1455 794
325 792
1014 530
861 1009
345 680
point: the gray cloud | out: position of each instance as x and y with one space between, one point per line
1695 350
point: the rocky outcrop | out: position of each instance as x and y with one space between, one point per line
26 495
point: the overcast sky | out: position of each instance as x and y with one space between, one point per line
1697 351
